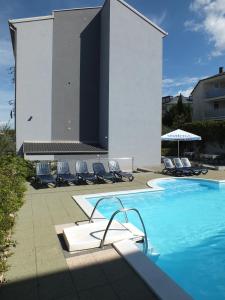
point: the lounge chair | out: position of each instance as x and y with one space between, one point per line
100 172
179 166
43 174
63 173
114 168
82 172
186 163
170 169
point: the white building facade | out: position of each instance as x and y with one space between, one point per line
89 77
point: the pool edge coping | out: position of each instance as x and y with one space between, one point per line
156 279
153 183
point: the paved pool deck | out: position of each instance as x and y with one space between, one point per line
38 268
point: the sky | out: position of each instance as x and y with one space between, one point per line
193 49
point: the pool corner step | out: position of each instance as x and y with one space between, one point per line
89 236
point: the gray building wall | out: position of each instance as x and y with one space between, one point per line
92 76
33 81
104 76
198 103
135 81
75 84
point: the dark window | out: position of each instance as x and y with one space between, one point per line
216 105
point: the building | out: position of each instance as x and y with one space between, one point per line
169 101
209 98
88 82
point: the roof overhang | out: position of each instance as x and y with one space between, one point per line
61 147
12 30
22 20
77 8
15 21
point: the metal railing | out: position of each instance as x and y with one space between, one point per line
215 92
214 114
104 198
124 210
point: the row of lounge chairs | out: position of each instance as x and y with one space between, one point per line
181 167
63 174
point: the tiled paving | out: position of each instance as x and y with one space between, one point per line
39 269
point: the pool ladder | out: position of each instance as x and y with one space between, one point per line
124 211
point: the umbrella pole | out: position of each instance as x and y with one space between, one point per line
178 146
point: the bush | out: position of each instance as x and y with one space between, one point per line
211 131
7 140
169 151
13 173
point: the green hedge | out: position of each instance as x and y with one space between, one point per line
13 173
211 131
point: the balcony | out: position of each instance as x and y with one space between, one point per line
218 114
215 93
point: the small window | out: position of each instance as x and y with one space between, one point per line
222 84
216 105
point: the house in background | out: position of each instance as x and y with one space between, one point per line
209 98
88 82
169 101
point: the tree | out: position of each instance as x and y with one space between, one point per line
180 106
12 73
178 115
7 140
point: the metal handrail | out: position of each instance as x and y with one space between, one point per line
109 197
124 210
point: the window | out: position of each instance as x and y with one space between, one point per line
222 84
216 106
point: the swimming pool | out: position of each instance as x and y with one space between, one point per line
186 225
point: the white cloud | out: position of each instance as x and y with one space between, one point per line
184 85
197 4
178 82
186 92
193 26
168 81
211 21
158 19
6 53
199 61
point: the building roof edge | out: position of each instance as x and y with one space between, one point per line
77 8
207 78
143 17
15 21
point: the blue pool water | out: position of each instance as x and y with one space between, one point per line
186 225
